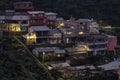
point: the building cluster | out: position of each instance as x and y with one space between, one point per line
43 28
40 27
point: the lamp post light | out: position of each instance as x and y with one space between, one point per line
43 56
50 68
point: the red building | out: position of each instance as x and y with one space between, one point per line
37 18
112 43
23 6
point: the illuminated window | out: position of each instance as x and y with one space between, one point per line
80 33
69 32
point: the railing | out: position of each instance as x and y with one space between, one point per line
97 43
9 33
99 49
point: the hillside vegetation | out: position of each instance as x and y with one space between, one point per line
17 64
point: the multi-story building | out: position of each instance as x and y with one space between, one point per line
59 23
96 42
18 18
84 25
23 6
42 33
112 43
56 36
88 25
50 19
73 28
49 52
37 35
37 18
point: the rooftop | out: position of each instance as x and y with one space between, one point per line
40 28
35 12
50 13
50 49
22 2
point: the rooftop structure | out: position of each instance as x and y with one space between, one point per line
96 42
37 18
50 19
49 52
23 6
56 36
42 33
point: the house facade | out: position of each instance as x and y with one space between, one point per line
37 18
56 36
96 42
23 6
50 19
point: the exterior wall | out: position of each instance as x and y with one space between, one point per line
58 21
16 18
50 19
84 25
23 6
38 19
112 43
98 43
55 39
43 37
51 24
49 53
12 27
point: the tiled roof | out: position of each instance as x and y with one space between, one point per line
40 28
60 51
35 12
20 17
54 31
50 13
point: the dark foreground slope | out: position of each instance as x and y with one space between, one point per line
17 64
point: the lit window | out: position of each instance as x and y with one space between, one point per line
69 32
80 33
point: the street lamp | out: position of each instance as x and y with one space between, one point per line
50 68
43 56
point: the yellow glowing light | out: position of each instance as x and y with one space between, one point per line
61 25
50 68
13 27
87 48
58 55
80 33
31 38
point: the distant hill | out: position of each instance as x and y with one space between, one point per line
108 10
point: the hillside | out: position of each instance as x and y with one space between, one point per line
17 64
107 10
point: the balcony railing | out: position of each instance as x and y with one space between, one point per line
97 43
100 49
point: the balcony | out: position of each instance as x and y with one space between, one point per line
37 23
37 17
96 43
47 36
100 49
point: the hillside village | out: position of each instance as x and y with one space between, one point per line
58 43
